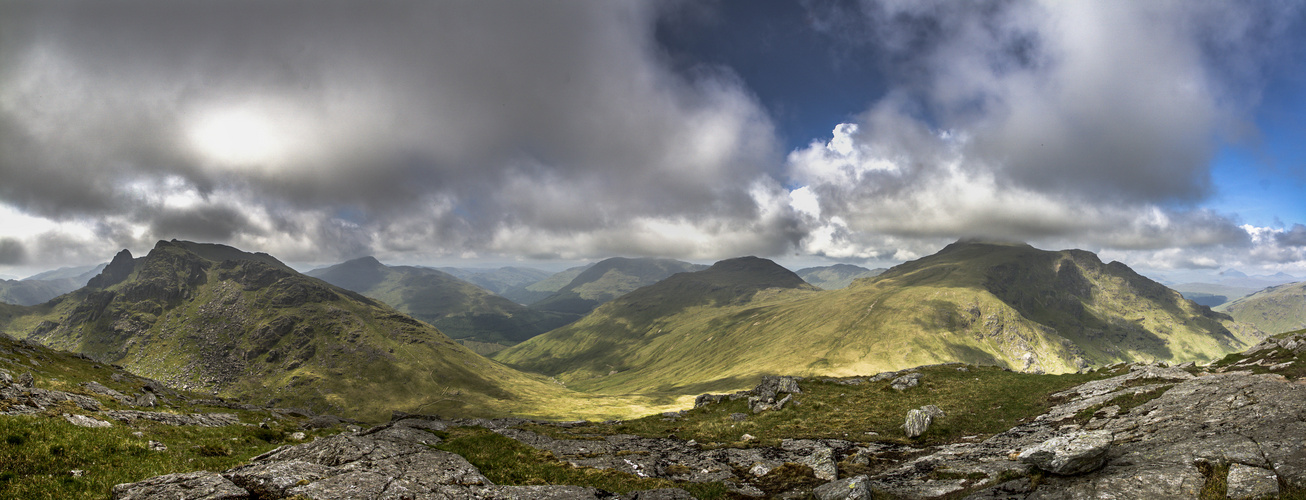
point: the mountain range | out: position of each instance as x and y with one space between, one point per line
500 280
1229 286
45 286
983 303
836 276
459 309
609 279
540 290
1274 310
213 319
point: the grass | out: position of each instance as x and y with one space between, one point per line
41 452
979 401
508 462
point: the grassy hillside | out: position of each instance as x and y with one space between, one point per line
459 309
991 304
608 280
1274 310
246 327
836 276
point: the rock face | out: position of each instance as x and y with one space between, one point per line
1071 454
392 461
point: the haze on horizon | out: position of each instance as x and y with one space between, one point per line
1166 135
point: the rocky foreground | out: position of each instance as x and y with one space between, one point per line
1153 432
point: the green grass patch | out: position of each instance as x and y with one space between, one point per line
979 401
508 462
40 453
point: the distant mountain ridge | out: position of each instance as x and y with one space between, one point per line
836 276
458 308
247 326
1231 285
41 287
540 290
609 279
987 303
1274 310
498 280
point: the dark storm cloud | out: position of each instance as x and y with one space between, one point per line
558 116
12 251
200 223
1295 237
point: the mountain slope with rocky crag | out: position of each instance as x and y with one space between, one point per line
211 318
985 303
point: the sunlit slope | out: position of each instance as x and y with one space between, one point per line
249 328
459 309
1009 305
1273 310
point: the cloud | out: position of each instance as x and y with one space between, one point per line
1084 124
432 125
1295 237
12 251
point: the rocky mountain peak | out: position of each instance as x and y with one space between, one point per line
118 269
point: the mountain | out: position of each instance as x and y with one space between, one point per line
211 318
82 273
47 285
540 290
1231 285
609 279
629 333
1212 294
1273 310
459 309
1009 305
498 280
836 276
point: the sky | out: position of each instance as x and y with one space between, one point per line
1168 135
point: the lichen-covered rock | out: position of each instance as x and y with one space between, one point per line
853 488
906 381
85 421
1248 483
195 419
918 422
274 479
201 485
1071 454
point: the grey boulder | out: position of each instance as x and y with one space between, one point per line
1070 454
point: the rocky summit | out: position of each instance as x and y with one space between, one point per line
1230 430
